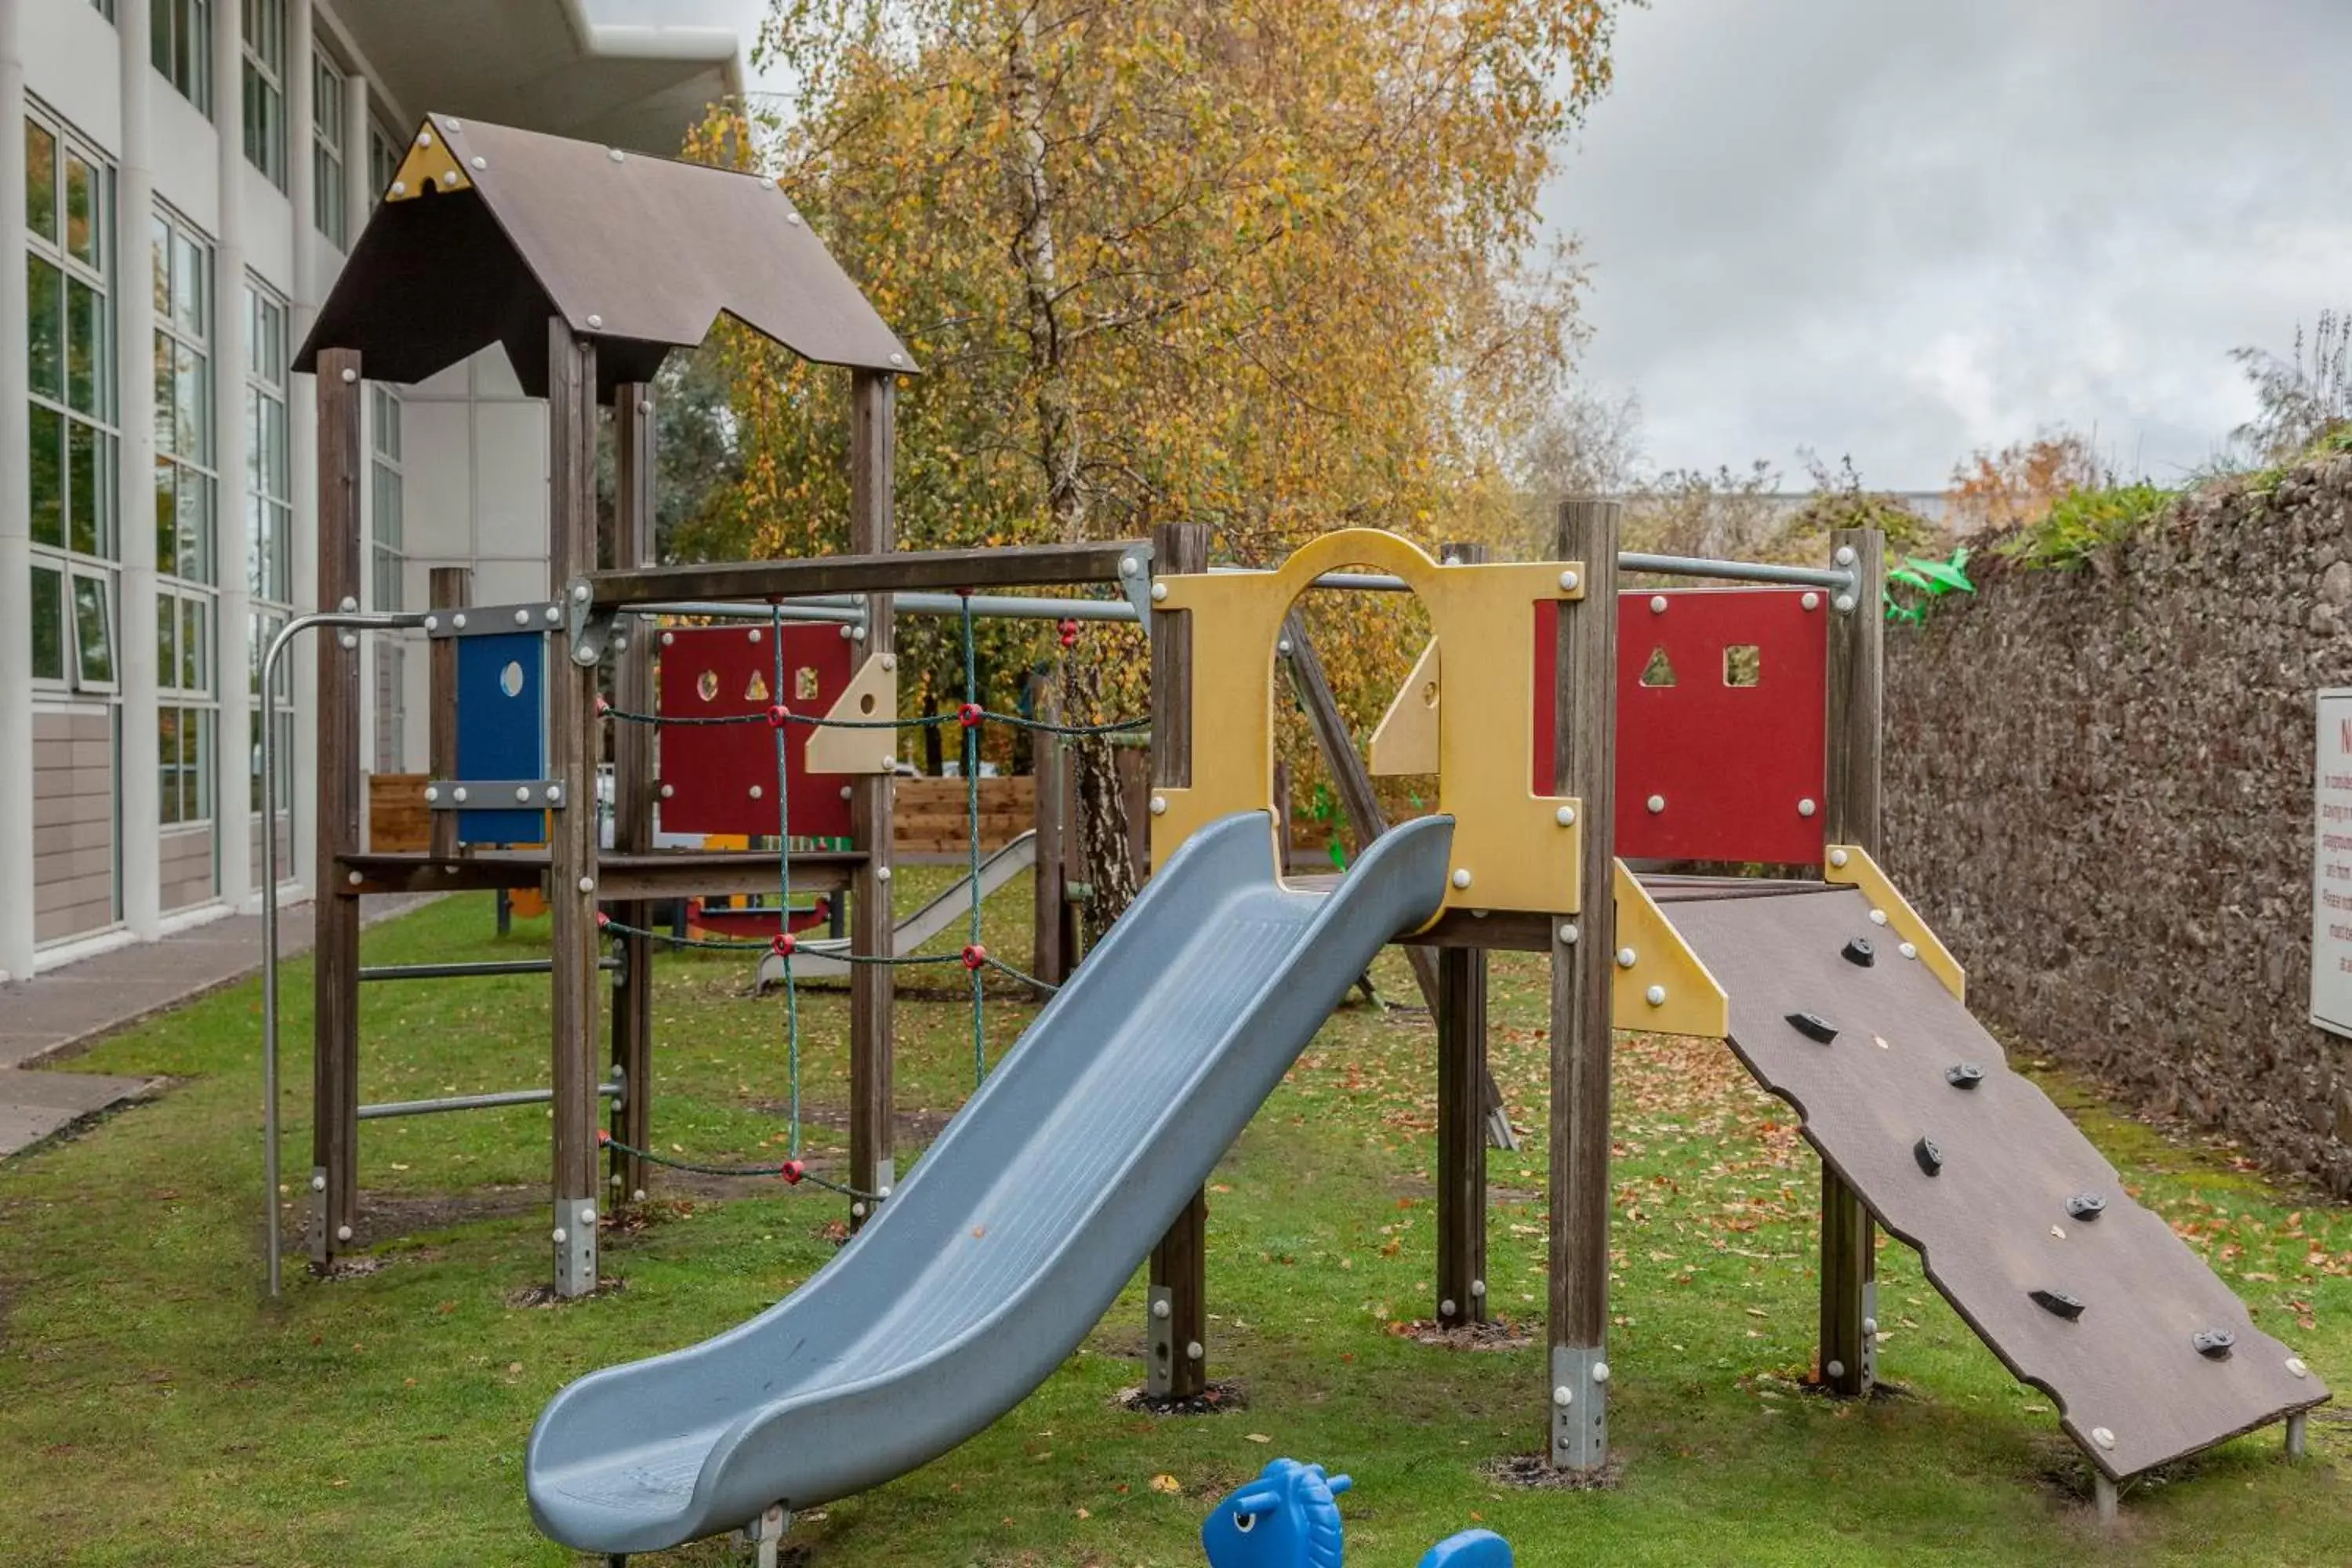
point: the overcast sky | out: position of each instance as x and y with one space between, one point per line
1905 228
1901 230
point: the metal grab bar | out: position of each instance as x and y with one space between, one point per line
616 1090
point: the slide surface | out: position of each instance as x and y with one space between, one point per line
1016 1231
2000 1192
819 958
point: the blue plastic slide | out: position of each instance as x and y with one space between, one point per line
1016 1231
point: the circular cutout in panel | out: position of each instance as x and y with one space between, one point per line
510 677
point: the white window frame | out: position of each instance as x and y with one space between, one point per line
270 492
265 75
198 701
199 468
78 673
387 526
330 170
193 17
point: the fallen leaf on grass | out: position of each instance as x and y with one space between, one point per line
1169 1484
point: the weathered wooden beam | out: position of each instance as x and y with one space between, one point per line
1849 1345
1050 761
1460 1137
573 747
335 912
873 458
660 874
869 568
634 442
1177 1329
1582 979
447 588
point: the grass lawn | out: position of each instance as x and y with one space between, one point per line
154 1409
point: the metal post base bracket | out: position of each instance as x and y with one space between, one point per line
1160 1343
1579 1407
766 1533
322 1240
575 1248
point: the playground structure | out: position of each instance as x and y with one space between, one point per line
1733 724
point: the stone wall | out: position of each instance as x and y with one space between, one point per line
2099 791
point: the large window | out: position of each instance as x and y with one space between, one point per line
385 153
70 381
264 88
184 471
261 627
182 45
184 710
329 201
388 550
269 476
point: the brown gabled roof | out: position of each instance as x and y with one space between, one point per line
488 231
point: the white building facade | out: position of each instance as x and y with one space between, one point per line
179 182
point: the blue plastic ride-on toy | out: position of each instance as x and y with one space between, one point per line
1286 1519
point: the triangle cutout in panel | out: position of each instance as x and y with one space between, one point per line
1660 671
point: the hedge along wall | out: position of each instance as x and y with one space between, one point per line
2099 791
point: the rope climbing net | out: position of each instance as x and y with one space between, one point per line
975 958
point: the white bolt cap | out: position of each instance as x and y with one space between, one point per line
1870 1325
2103 1438
594 320
1563 1397
1477 1288
432 623
881 1192
562 1236
1129 566
1159 592
522 792
757 791
1568 934
587 884
357 879
1625 957
668 791
349 640
458 620
857 1211
1599 1372
1565 816
889 761
1159 1308
1192 1350
755 633
350 376
523 617
1844 603
1878 917
454 125
342 1233
400 187
1835 1369
1655 995
1462 876
881 873
615 154
1657 604
639 1196
1837 858
1158 805
349 604
318 1184
857 634
2295 1365
1907 950
1844 555
889 660
479 161
898 359
1811 602
1806 807
1569 582
1446 1307
1656 802
845 792
460 793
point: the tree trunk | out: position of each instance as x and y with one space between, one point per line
1104 842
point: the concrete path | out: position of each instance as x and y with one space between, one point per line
68 1008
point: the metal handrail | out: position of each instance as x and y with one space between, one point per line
352 619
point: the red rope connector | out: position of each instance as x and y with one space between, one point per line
969 715
1069 634
782 945
779 716
974 957
963 593
602 707
791 1171
603 920
602 1137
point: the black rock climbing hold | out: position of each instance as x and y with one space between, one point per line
2213 1344
2058 1301
1813 1026
2085 1205
1859 951
1930 1158
1964 1074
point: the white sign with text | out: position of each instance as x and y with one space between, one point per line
2331 865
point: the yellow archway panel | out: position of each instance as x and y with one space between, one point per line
1514 848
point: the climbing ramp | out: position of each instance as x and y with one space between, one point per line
822 958
2021 1224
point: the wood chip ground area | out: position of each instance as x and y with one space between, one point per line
2102 1312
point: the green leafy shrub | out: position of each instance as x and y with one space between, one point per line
2083 522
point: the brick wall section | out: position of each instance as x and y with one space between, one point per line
73 824
2099 791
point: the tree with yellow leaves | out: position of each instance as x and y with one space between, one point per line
1271 265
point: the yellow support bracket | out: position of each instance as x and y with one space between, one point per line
429 166
1515 848
872 693
1406 740
1661 986
1852 866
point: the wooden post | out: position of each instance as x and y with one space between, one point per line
1177 1332
1460 1137
573 751
1050 761
634 446
449 588
1583 962
873 453
1463 1085
335 912
1849 1343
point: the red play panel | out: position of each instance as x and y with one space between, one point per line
706 774
1722 720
